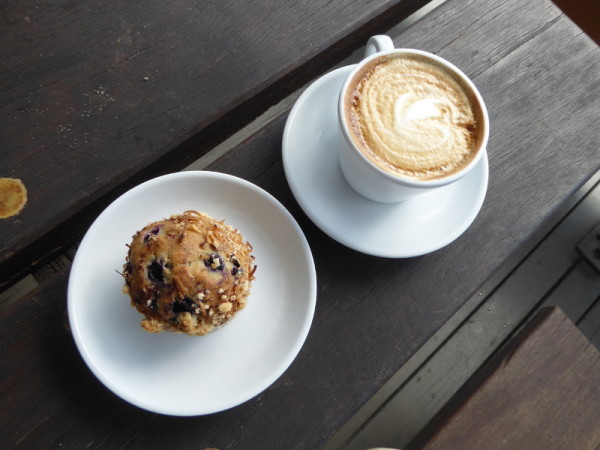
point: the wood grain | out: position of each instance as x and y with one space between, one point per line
536 72
549 272
586 13
97 98
539 392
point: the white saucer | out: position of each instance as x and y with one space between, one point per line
411 228
189 375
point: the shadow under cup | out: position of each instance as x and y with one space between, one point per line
367 177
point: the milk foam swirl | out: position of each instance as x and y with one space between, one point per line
414 119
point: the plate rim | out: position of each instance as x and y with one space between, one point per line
277 370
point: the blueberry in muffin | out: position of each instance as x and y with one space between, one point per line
188 274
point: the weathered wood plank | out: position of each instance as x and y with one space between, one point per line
95 98
585 13
552 273
539 392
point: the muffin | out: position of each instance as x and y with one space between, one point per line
188 274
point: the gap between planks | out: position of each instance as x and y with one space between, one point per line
412 396
28 283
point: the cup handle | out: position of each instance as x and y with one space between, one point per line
378 44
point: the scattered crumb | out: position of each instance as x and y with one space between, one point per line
225 307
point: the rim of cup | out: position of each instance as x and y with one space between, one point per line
398 178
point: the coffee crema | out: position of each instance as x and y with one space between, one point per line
413 118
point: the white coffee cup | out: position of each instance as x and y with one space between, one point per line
369 179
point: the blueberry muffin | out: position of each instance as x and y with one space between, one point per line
188 274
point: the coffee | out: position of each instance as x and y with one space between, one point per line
412 117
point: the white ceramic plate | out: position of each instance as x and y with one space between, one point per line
178 374
393 230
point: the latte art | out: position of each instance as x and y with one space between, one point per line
412 118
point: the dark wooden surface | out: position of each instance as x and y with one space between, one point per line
538 74
540 391
95 98
586 13
546 271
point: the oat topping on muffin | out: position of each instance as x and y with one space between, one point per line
189 273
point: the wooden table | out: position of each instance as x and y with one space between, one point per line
540 391
95 99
